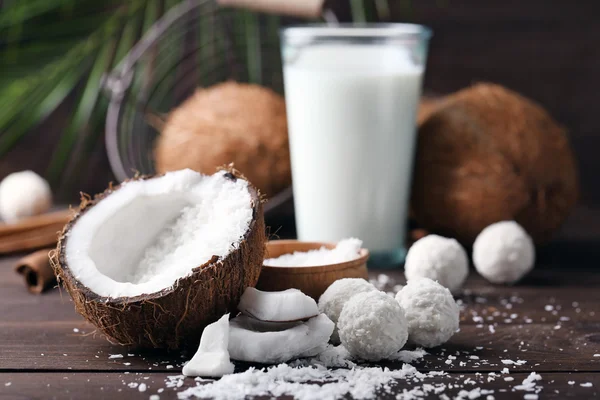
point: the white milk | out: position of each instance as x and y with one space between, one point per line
352 114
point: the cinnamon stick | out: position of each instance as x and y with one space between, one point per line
33 233
36 222
35 239
37 272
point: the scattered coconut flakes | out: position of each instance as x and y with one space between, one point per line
409 356
511 362
113 356
75 330
331 357
586 384
505 371
596 355
529 383
571 382
303 383
142 387
345 250
154 397
174 381
530 396
8 384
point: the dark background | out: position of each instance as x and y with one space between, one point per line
547 50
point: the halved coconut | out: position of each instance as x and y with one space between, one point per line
155 260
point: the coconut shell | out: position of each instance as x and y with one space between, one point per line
174 317
487 154
229 122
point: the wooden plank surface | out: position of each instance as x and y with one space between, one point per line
551 321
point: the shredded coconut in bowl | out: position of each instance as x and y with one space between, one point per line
345 250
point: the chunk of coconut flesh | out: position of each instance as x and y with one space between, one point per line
212 358
144 236
285 306
304 340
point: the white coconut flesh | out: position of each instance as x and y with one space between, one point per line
303 340
283 306
143 237
212 357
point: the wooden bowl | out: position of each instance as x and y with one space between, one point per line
312 281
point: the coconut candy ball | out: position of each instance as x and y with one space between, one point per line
438 258
431 312
503 252
24 194
372 326
337 294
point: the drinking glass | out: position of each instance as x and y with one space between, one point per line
352 93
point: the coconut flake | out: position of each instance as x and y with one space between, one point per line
212 357
305 383
409 356
246 344
146 235
529 383
284 306
345 250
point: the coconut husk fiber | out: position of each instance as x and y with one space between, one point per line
176 316
229 122
487 154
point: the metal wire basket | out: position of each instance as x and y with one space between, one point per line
196 44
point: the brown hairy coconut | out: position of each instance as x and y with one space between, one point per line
152 262
487 154
229 122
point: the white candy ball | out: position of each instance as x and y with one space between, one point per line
23 194
372 326
440 259
431 312
503 252
337 294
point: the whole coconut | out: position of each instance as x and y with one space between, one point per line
229 123
487 154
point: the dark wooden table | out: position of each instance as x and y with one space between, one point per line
551 320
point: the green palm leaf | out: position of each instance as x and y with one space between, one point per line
51 49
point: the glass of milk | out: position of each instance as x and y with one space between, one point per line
352 94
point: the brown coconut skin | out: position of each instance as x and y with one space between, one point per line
175 317
229 123
487 154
